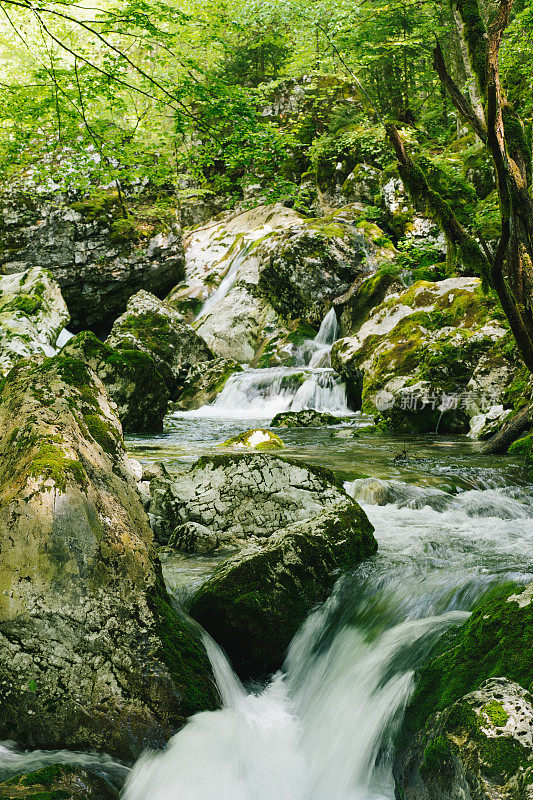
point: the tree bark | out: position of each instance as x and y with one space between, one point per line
513 430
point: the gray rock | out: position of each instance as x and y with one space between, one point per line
98 258
32 314
240 495
92 653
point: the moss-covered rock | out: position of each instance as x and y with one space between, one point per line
92 653
130 377
256 439
204 382
150 326
417 353
32 314
58 782
308 418
255 602
469 725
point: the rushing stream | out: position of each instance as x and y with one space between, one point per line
449 522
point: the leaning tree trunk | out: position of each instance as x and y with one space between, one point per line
509 269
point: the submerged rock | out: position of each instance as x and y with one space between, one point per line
92 652
150 326
255 602
256 439
307 418
468 730
240 495
415 357
32 315
98 257
130 377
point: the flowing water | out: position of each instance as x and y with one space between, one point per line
450 524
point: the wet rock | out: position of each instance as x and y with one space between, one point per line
58 782
130 377
32 315
150 326
468 728
92 652
240 495
98 258
255 601
362 184
204 382
480 747
307 418
194 538
256 439
414 357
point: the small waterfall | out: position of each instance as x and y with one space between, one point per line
321 731
226 284
329 329
316 352
263 393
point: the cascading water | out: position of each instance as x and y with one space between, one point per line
262 393
322 729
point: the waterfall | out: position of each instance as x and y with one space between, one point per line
319 731
226 284
263 393
329 329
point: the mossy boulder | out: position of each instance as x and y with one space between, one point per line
150 326
524 449
32 315
469 724
93 654
239 495
204 382
255 602
256 439
308 418
58 782
130 377
415 358
363 296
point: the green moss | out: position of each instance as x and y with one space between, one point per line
496 713
25 304
522 447
438 755
72 371
49 462
101 432
496 641
272 442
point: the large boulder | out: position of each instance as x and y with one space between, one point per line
255 601
468 730
92 652
130 377
263 271
98 257
150 326
32 315
240 495
416 357
307 418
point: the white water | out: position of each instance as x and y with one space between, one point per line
322 729
263 393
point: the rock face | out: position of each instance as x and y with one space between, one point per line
238 496
92 653
98 258
32 314
308 418
262 272
130 377
418 356
204 382
255 602
468 731
150 326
